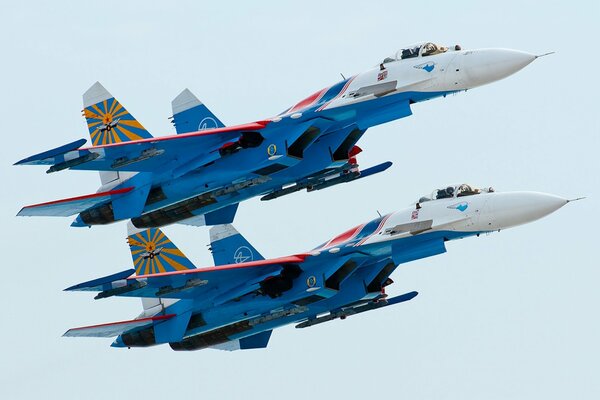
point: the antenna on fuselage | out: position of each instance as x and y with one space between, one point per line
378 213
343 77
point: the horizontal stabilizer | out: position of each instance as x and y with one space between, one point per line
96 285
114 328
70 206
51 154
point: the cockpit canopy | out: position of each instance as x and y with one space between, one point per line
453 191
417 50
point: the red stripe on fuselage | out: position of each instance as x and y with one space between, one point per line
309 101
344 237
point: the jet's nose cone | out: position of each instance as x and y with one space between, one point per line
516 208
489 65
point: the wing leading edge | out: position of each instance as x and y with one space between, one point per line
220 282
72 205
143 155
112 329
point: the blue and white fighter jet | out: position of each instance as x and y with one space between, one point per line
199 176
237 303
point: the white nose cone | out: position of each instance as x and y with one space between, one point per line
515 208
489 65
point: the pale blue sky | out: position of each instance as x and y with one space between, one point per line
511 315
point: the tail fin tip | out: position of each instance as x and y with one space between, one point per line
95 94
184 101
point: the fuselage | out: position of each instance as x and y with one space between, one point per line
314 137
354 267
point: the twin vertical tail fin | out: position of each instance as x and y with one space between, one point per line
228 246
109 122
153 252
190 115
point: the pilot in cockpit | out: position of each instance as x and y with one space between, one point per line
445 193
466 190
410 53
453 191
430 49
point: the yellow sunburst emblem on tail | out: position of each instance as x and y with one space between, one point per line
107 120
153 253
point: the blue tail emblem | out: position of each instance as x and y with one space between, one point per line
229 247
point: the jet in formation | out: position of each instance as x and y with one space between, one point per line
237 303
201 174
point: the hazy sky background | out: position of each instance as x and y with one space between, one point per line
510 315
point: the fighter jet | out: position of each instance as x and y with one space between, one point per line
237 303
200 175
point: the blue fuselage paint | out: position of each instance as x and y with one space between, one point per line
337 124
370 260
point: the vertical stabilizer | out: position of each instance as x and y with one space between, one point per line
153 253
107 120
190 115
228 246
